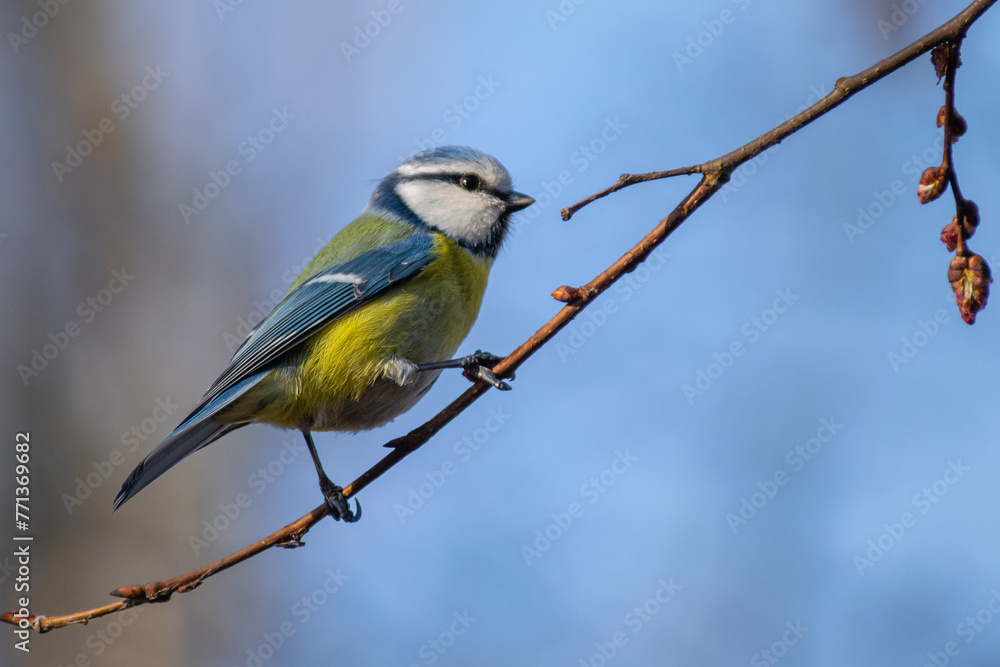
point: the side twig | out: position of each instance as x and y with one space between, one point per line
715 173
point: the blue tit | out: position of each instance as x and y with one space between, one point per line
371 321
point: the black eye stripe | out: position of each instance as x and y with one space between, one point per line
455 178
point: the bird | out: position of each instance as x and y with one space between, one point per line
367 327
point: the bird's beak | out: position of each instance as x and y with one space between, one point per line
517 201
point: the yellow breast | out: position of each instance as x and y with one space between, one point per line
338 381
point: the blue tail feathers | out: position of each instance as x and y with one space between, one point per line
200 429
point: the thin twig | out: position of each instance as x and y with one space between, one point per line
947 159
626 180
845 88
954 58
714 173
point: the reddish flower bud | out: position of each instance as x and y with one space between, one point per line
958 124
949 235
970 279
566 294
963 224
933 183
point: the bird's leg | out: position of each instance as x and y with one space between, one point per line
478 366
333 495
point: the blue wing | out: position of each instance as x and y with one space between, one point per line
324 297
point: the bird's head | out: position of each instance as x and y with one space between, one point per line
460 192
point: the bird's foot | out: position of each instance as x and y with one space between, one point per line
336 502
479 366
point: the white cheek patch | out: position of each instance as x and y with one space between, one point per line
455 212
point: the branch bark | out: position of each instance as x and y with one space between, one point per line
714 174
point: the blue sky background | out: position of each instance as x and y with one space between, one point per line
908 458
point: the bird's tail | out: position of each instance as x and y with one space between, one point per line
197 431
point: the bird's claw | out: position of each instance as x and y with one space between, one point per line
479 366
336 502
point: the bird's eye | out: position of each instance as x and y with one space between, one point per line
469 182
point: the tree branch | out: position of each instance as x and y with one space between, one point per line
846 87
715 173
